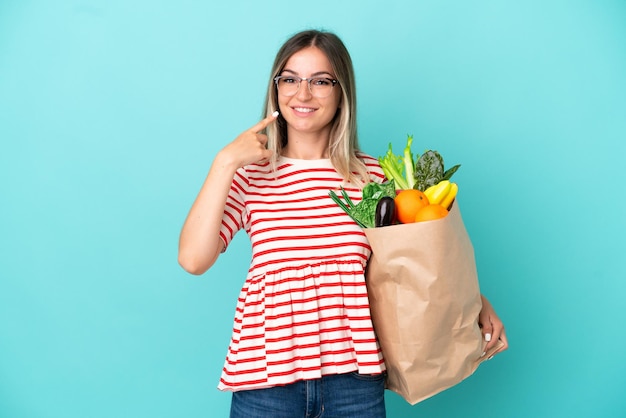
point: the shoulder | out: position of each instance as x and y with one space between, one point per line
372 166
248 175
260 169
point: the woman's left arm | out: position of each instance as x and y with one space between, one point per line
492 327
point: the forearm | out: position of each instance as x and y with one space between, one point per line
200 243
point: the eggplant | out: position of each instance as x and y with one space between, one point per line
385 212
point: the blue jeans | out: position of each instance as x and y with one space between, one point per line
333 396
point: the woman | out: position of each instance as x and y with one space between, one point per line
303 342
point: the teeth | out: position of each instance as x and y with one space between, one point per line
303 109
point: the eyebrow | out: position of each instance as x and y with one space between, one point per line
317 74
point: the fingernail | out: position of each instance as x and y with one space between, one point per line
483 354
276 113
490 357
487 337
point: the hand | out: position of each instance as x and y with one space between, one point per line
492 327
250 146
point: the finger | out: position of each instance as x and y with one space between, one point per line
490 332
265 122
499 340
487 330
505 342
491 343
261 138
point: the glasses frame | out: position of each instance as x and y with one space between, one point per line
333 82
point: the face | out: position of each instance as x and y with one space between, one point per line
304 113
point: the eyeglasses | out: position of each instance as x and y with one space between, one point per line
320 87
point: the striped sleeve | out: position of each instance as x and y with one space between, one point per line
235 210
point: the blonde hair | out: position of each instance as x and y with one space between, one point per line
343 144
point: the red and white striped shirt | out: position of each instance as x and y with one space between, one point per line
303 311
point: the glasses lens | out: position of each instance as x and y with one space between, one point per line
287 86
321 87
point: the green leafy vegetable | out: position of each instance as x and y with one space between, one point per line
399 168
409 165
364 212
428 170
375 191
449 172
419 172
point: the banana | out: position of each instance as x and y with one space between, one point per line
447 201
438 192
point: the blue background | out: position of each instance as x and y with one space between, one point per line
110 115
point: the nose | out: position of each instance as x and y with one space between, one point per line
304 92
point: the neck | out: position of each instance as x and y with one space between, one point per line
306 148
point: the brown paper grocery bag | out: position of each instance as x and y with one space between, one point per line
425 300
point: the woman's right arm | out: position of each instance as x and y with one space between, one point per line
200 243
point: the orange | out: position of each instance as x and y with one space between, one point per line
430 213
408 202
